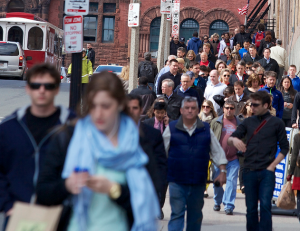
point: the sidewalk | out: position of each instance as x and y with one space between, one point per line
218 221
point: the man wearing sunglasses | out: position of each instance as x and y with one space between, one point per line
25 136
262 132
223 127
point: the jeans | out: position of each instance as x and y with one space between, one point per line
186 197
227 197
259 185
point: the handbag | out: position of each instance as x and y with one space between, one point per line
286 198
33 217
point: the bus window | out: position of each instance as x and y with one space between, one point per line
15 34
1 33
35 39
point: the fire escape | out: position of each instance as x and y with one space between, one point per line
258 15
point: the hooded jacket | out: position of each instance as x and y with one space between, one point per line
278 102
21 158
87 70
194 44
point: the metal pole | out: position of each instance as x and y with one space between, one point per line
75 87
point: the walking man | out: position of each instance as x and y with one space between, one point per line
262 132
187 174
223 127
91 54
148 69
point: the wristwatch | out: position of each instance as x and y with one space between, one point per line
224 170
288 104
115 191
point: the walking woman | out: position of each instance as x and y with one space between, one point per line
288 93
100 163
253 84
295 170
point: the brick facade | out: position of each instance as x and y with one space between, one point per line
204 12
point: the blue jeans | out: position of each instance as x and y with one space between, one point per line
189 198
259 185
228 197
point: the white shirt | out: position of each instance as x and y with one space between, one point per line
279 54
212 90
217 153
240 77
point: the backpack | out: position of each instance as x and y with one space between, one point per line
258 38
146 70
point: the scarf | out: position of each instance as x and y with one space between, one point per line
208 118
88 145
205 64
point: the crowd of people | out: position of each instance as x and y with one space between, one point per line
212 114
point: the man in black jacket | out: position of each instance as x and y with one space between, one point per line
173 100
260 158
240 74
268 63
241 37
90 54
148 69
252 56
174 45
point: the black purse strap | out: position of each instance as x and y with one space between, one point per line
261 125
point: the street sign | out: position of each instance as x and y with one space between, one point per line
175 17
166 6
169 17
134 15
73 29
77 7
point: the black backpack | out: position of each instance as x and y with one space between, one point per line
146 70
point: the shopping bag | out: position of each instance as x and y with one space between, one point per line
29 217
286 199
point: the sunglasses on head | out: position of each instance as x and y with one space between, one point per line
254 104
227 108
47 86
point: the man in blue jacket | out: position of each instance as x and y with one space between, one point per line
194 43
25 134
278 102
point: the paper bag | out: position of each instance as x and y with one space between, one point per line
286 199
29 217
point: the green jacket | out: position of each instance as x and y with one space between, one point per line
216 125
86 71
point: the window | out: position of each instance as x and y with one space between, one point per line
154 34
93 7
1 33
219 27
109 7
15 6
15 34
90 28
188 27
35 39
9 49
108 29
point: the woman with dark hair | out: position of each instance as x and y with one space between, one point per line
150 112
288 93
226 57
234 61
253 84
100 165
267 42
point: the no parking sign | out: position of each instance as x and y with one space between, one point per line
175 17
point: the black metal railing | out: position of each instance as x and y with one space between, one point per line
254 13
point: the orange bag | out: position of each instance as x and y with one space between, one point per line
286 199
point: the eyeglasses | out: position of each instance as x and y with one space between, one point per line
191 56
203 106
47 86
226 75
254 104
229 108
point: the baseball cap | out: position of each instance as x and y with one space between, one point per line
180 60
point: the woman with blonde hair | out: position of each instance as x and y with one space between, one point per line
225 75
124 76
253 84
191 55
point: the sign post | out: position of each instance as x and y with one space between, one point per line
77 7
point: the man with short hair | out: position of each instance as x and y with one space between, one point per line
199 80
148 96
25 136
240 74
187 174
295 79
173 100
204 61
268 63
223 127
211 57
174 45
182 43
236 31
172 74
260 158
181 52
241 37
194 43
279 54
243 51
240 98
214 88
252 56
148 69
278 102
90 54
204 73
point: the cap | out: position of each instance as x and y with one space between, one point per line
182 39
180 60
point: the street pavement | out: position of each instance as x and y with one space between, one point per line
13 96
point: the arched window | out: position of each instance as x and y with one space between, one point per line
188 27
1 33
15 34
154 34
35 39
219 27
15 6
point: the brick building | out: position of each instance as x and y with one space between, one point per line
106 25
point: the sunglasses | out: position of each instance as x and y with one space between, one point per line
226 75
254 104
227 108
47 86
205 106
